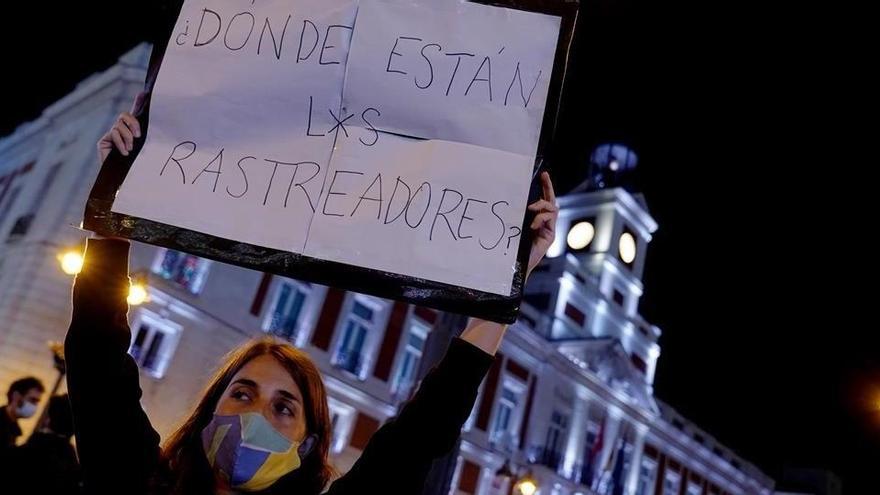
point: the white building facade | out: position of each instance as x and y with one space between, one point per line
570 399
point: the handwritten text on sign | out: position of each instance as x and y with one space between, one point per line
258 135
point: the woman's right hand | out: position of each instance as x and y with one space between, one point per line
122 135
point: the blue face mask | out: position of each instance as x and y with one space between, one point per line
26 410
248 452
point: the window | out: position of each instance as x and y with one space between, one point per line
154 341
555 440
360 321
6 207
284 318
671 483
186 270
22 224
412 356
341 420
647 472
507 411
618 297
620 457
575 314
506 406
639 363
586 467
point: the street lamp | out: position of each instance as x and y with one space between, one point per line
71 262
137 294
527 485
137 291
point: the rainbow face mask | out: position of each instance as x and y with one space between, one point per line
248 452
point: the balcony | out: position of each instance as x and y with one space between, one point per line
543 456
547 464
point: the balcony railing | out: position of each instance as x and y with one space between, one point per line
547 457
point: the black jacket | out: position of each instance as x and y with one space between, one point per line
46 463
9 430
119 449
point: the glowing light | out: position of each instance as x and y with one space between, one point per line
527 486
137 294
71 262
581 235
627 247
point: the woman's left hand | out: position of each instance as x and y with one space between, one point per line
544 224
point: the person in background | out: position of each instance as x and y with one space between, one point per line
22 399
47 462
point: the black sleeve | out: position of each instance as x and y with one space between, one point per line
399 456
117 445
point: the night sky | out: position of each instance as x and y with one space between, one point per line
766 340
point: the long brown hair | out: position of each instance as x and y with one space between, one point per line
188 471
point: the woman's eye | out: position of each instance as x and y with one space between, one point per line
284 409
241 395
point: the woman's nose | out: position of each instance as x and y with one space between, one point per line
257 406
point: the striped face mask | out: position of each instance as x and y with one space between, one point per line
248 452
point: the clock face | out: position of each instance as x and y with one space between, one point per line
627 247
581 235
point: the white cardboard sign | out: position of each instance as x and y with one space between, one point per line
310 126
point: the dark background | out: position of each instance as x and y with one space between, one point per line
761 275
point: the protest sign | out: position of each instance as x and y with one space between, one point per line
381 146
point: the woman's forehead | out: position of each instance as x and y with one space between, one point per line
268 373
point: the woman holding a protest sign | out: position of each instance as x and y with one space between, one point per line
262 425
